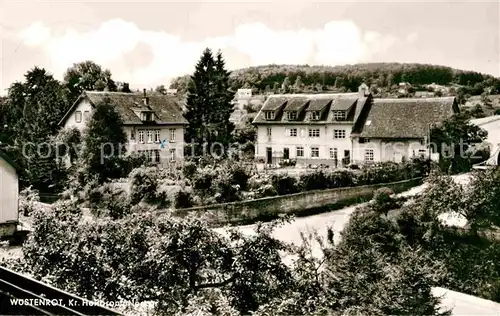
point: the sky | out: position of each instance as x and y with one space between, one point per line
149 43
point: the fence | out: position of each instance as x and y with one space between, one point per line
300 204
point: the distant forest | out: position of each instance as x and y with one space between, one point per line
380 76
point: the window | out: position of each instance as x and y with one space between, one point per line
132 134
422 152
286 153
292 132
300 151
147 116
315 115
141 136
149 155
172 154
369 155
291 115
314 152
78 116
269 132
364 140
333 153
157 156
339 133
422 141
339 115
157 136
86 115
314 132
150 136
269 115
172 134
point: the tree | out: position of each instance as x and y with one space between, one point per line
198 103
161 89
486 101
298 85
208 106
477 111
34 109
87 75
181 84
224 107
285 86
453 138
123 87
276 87
390 79
104 141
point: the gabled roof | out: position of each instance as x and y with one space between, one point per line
406 118
168 109
308 102
9 160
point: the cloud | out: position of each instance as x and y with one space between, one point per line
337 42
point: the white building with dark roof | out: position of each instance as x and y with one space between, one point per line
341 129
309 129
399 129
154 124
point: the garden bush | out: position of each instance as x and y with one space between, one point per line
28 199
144 186
284 183
183 199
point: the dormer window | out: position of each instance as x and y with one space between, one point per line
315 115
269 115
340 115
146 116
291 115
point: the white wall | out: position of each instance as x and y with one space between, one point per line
133 145
9 192
178 144
387 150
493 129
71 122
279 140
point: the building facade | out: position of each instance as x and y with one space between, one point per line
9 196
399 129
348 128
154 124
309 129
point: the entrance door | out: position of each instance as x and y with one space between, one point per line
269 155
286 153
347 157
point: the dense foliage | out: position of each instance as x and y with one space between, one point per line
456 140
300 78
89 76
104 143
208 106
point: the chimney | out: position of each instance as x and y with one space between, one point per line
145 98
363 90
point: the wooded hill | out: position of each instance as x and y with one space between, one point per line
304 78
